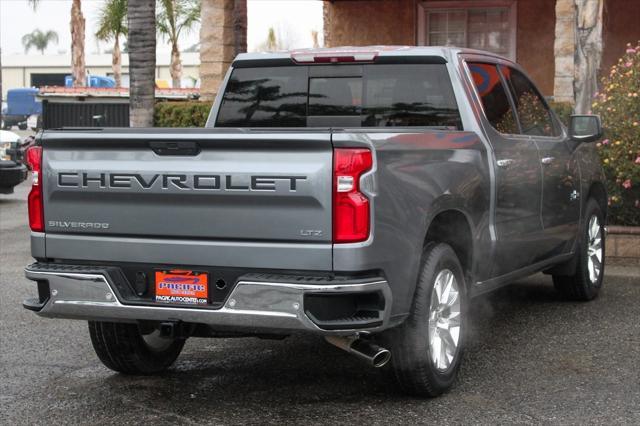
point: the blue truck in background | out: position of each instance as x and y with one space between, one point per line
21 103
93 81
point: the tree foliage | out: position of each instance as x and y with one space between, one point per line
177 16
181 114
112 20
619 106
39 40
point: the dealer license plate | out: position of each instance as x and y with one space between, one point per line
183 287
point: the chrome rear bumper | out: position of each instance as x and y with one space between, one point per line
252 306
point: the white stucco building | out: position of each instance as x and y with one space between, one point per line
34 69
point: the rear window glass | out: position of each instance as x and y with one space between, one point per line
390 95
335 96
265 97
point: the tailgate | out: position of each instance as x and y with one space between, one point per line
234 185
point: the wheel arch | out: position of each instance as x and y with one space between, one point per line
453 227
598 192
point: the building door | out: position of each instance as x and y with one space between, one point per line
518 177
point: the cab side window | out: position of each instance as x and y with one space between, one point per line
494 97
535 117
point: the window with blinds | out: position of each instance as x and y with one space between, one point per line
487 29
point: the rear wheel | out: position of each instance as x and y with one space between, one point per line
586 282
123 348
427 348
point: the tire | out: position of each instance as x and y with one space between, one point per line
417 368
122 348
22 126
586 282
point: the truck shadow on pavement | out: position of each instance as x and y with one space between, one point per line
530 357
9 201
305 370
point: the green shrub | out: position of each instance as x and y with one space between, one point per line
181 114
619 106
563 110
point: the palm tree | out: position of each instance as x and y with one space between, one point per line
142 61
240 26
77 45
113 24
174 18
272 42
39 40
77 42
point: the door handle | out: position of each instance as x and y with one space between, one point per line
505 162
547 160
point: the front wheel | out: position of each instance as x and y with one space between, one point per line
586 282
123 348
427 348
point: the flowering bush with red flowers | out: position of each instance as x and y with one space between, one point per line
619 106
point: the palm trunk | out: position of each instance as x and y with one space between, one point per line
77 45
116 62
1 115
142 61
240 26
588 52
176 66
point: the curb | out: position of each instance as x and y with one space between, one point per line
623 245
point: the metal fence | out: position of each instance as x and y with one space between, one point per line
84 114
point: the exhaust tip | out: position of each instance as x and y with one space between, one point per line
381 358
365 350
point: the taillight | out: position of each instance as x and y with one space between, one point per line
350 206
36 213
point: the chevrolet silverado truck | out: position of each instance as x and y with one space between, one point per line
366 195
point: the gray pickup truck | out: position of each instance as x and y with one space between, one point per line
366 195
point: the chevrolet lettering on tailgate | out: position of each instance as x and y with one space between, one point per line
180 181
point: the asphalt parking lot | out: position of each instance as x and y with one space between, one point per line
532 358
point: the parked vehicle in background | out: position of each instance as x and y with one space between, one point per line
12 171
366 195
21 103
93 81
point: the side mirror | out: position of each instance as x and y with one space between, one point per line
585 128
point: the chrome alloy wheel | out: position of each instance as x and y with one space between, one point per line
594 249
444 320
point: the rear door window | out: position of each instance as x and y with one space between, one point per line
535 117
493 95
385 95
